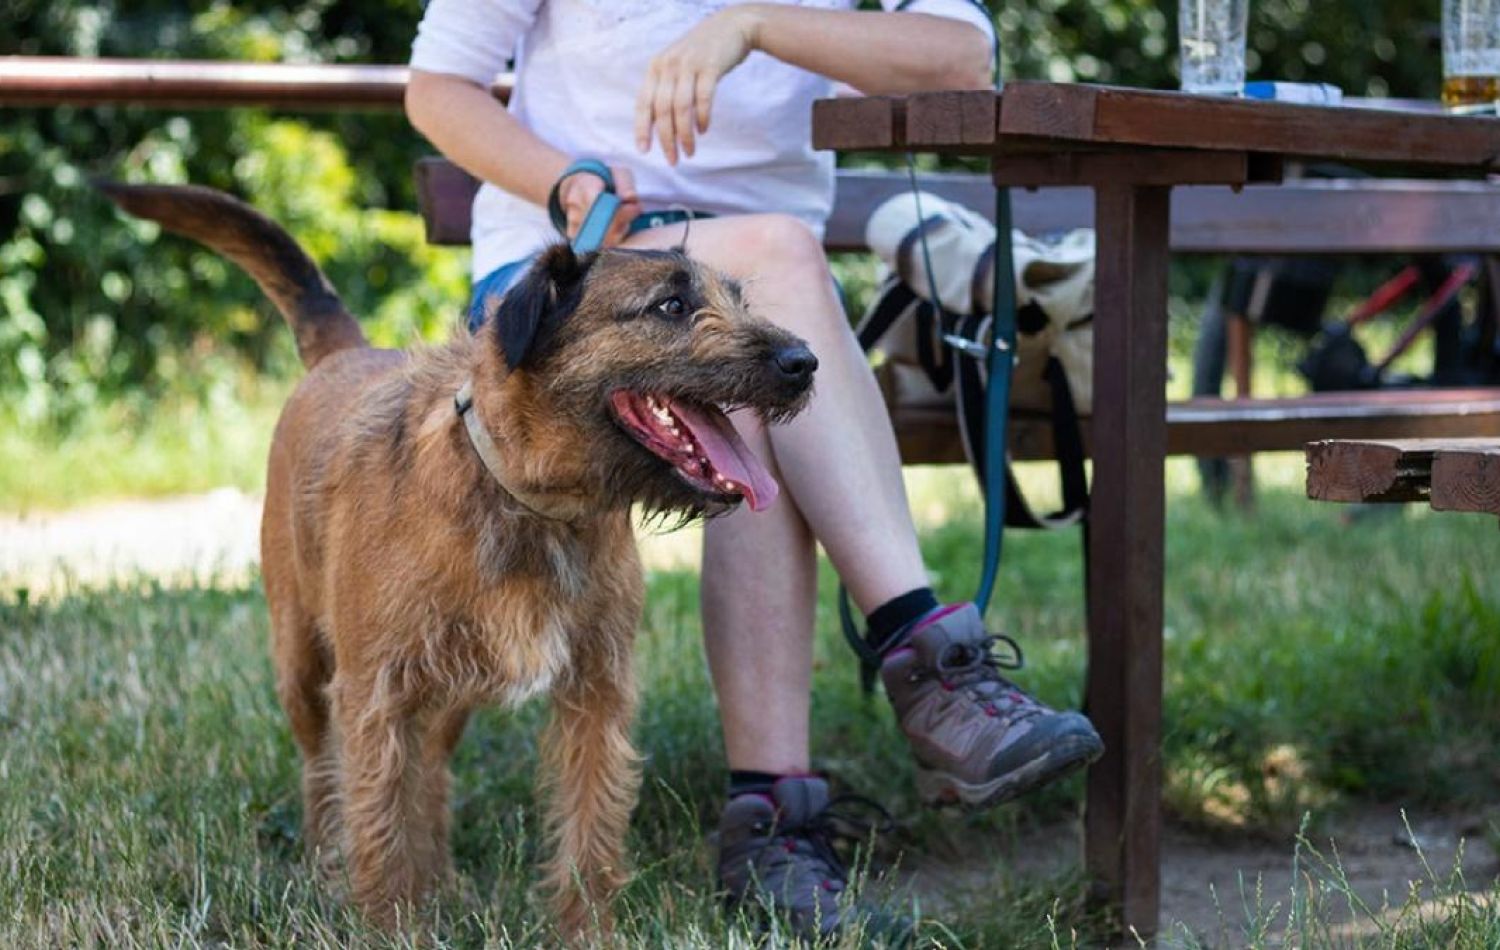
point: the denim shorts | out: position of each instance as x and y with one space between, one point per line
499 280
494 284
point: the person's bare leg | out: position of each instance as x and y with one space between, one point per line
838 465
759 593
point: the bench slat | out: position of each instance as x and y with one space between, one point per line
1303 217
1454 474
1467 477
1228 427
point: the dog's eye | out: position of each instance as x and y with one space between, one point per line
672 307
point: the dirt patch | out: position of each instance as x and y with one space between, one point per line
1217 891
212 536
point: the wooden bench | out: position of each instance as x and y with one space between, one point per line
1315 216
1450 474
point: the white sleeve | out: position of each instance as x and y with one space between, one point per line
973 12
471 38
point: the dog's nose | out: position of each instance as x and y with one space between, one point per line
796 363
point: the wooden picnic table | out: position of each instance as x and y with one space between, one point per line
1131 147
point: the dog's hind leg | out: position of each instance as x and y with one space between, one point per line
380 766
593 775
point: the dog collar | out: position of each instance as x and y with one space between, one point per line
489 454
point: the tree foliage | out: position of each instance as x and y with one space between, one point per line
92 303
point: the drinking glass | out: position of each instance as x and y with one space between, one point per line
1212 43
1471 55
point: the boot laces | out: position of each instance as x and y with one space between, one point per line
974 667
814 837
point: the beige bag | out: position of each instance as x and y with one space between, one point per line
1054 297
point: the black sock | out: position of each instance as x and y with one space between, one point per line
892 620
746 782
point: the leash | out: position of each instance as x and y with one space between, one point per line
596 222
998 357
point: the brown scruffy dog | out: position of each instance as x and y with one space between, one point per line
450 526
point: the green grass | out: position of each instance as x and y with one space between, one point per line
134 449
148 783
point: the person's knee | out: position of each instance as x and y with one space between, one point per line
780 246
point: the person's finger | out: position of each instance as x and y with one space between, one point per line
579 192
619 227
643 100
661 114
703 96
682 113
624 183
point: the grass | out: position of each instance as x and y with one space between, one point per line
1313 663
148 783
172 446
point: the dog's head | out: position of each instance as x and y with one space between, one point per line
617 369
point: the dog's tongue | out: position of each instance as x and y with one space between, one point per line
729 454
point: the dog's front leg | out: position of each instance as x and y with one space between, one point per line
593 774
380 765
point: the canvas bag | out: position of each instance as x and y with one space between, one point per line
1054 297
1054 343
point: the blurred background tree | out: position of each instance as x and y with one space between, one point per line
91 307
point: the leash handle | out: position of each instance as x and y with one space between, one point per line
596 222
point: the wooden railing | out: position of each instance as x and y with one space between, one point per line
195 84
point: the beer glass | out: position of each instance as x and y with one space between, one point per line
1471 55
1211 34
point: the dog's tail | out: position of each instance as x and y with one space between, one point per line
319 320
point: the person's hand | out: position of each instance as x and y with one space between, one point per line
576 194
677 95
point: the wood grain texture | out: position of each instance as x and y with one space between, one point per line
1050 116
1104 115
1146 167
1368 471
938 119
1308 217
1467 478
1122 823
867 122
1219 427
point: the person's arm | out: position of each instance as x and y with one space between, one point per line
464 121
460 46
875 52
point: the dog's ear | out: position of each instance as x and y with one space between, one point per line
527 315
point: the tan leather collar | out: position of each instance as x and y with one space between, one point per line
489 454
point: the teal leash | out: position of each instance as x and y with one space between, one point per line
999 357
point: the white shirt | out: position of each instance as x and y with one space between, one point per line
579 65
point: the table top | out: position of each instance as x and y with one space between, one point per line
1048 117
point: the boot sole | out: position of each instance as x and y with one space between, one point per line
936 788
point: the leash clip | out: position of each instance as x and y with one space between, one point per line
971 348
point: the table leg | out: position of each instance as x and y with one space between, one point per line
1123 819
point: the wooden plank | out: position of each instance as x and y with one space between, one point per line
1122 822
939 119
1308 217
30 81
1147 167
1368 471
1103 115
1218 427
445 198
1048 110
867 122
1467 477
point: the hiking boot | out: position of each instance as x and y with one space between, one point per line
977 738
776 855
